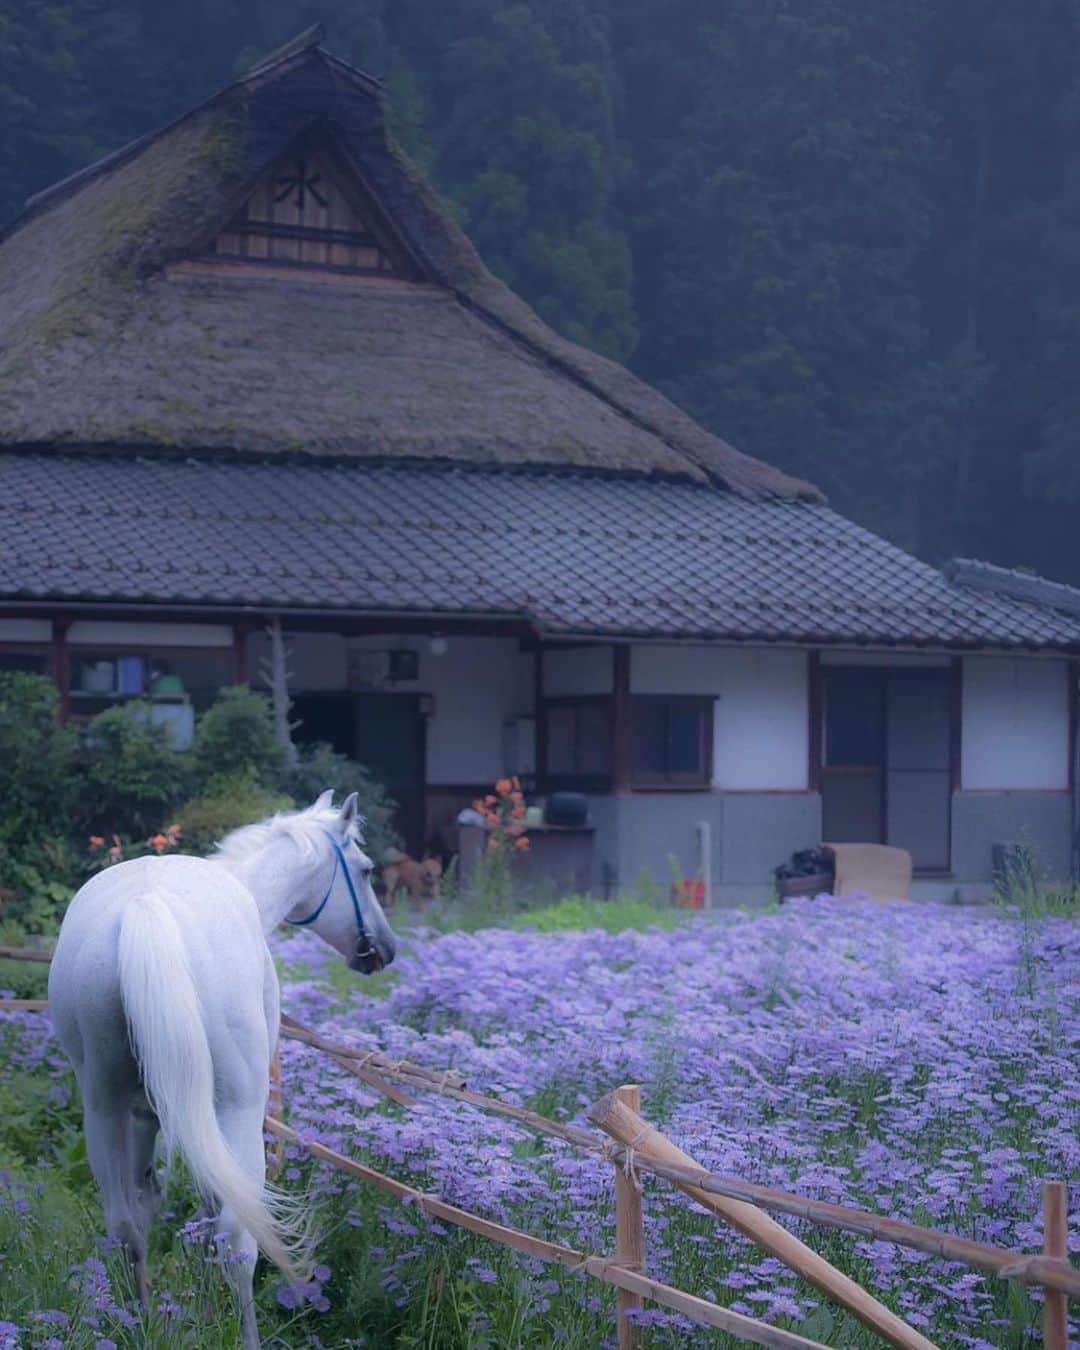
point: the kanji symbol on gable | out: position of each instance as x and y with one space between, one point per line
311 210
302 181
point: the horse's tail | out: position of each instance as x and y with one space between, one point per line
168 1036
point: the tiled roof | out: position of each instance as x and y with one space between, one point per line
573 554
984 576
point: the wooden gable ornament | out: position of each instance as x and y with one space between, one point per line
310 210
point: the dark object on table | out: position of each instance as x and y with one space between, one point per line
810 871
567 809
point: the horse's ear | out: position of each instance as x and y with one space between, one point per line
350 813
324 800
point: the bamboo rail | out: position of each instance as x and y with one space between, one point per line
1053 1273
617 1118
24 954
601 1268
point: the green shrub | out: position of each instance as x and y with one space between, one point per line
130 776
36 882
319 767
36 759
235 738
228 804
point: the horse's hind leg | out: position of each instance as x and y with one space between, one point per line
242 1127
145 1187
108 1125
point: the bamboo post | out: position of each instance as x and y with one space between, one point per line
1055 1316
629 1234
617 1119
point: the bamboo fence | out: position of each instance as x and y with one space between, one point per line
635 1147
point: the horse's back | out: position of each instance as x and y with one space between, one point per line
216 922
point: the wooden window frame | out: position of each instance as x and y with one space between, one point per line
668 782
577 782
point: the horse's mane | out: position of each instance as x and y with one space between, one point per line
304 828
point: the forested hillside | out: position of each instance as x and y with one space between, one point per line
845 235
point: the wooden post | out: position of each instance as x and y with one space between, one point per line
540 769
1055 1244
59 666
629 1234
621 730
625 1125
241 631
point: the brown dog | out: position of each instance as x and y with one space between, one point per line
420 879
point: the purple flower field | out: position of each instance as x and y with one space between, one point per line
917 1060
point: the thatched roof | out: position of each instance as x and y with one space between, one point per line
109 339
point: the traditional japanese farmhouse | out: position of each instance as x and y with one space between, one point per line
250 367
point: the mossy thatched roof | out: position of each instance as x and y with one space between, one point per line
106 343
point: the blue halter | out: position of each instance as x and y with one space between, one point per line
364 946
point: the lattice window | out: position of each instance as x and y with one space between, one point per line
308 212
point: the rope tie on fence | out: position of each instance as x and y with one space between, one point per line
623 1155
630 1170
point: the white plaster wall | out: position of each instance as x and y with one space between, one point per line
94 632
761 715
25 630
318 662
573 671
477 689
1015 723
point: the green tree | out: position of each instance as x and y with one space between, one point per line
37 755
235 738
130 776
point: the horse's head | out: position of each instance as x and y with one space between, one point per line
352 920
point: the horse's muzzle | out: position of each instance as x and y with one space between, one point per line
366 959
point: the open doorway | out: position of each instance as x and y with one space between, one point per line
384 732
886 774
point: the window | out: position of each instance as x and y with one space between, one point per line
579 741
672 739
176 683
24 662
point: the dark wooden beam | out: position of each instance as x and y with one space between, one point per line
59 664
540 721
242 630
621 730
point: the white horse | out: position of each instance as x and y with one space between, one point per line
165 999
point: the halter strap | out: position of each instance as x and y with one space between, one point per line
339 861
